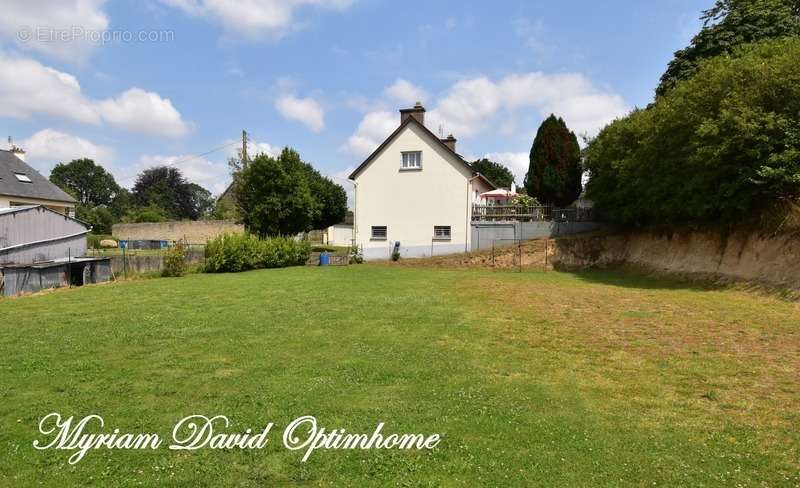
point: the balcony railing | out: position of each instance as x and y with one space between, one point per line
532 213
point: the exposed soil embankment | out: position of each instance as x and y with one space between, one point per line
773 261
764 259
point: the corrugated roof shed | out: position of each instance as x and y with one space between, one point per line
37 233
31 185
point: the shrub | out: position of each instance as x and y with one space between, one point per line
356 254
395 255
175 261
720 148
241 252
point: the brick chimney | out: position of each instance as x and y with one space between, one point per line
450 142
418 112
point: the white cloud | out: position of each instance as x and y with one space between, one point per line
254 19
305 110
585 108
213 176
48 146
137 110
405 92
507 106
58 29
517 162
371 132
471 105
253 148
29 88
467 107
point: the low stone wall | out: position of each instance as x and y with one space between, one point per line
765 259
146 263
193 232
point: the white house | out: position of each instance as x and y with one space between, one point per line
21 185
416 190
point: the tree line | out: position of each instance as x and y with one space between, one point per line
270 195
720 144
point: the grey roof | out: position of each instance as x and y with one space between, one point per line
23 208
39 187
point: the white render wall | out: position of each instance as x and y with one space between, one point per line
340 235
60 207
410 203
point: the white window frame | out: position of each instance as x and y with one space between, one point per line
411 160
23 178
442 232
378 237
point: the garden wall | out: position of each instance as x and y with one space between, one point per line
193 232
750 257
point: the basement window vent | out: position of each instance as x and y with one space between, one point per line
441 232
23 177
379 232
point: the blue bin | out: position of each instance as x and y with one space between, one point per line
324 259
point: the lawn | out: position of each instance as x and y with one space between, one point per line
596 378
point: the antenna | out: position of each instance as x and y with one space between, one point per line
441 132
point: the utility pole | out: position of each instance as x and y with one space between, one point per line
244 148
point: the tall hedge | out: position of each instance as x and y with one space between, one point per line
720 148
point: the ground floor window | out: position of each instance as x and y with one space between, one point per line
441 232
379 232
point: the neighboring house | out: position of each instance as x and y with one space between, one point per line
22 185
416 190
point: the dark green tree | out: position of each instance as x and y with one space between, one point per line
88 182
202 200
496 172
330 197
100 218
166 188
728 25
150 213
274 195
554 173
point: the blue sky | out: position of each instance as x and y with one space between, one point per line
323 76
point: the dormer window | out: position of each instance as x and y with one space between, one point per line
411 160
23 178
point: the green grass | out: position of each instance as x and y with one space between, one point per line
595 378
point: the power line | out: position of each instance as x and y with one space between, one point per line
188 158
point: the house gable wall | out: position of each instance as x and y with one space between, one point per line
411 202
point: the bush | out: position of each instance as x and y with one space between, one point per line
175 261
395 255
356 254
720 148
241 252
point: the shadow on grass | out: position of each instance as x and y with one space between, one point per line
628 276
644 279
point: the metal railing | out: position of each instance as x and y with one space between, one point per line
530 213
